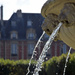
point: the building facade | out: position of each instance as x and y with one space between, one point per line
19 35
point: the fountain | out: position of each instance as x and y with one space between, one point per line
56 11
59 20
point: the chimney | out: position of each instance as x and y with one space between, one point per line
1 14
19 13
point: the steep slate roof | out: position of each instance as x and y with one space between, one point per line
0 26
2 29
21 25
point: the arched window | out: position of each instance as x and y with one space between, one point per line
30 34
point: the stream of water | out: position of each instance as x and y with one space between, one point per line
66 61
45 49
34 51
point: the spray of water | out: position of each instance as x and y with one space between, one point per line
66 61
45 49
34 51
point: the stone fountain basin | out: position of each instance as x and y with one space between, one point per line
53 6
66 34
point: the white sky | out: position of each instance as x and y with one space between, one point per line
27 6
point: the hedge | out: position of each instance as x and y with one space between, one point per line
19 67
53 66
11 67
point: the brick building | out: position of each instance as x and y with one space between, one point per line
19 34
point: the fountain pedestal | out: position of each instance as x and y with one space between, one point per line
61 11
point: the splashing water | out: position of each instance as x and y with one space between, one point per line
45 49
67 61
35 51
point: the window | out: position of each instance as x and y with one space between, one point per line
29 23
14 35
48 52
30 48
14 49
31 35
63 48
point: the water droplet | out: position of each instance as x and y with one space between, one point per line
56 73
46 58
65 66
57 65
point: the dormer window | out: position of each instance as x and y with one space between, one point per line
29 23
30 34
14 35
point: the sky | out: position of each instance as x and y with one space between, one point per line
27 6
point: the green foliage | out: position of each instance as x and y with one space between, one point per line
11 67
55 65
71 65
